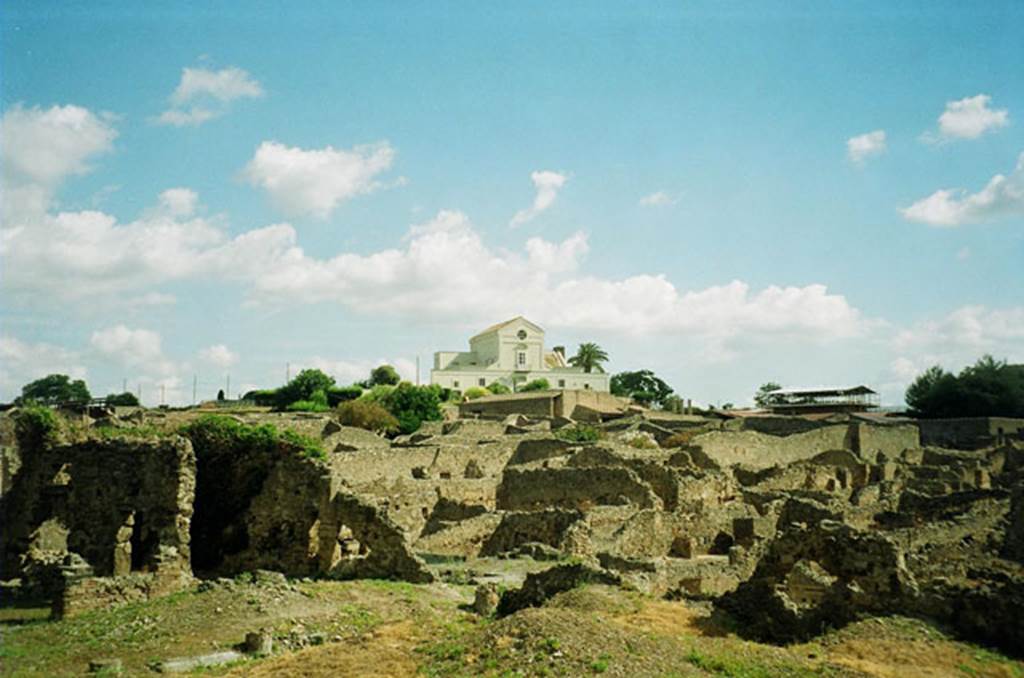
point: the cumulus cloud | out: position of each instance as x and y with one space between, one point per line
547 184
179 202
969 118
42 147
218 355
214 90
22 362
1002 196
314 182
137 348
658 199
864 146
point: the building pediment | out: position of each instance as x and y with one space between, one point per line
510 327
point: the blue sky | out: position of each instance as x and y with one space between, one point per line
802 192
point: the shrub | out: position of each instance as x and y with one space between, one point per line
377 394
384 375
498 388
642 442
474 392
580 433
263 397
303 386
536 385
412 405
341 394
681 439
36 426
126 399
224 433
367 415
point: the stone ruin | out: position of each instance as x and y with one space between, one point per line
790 524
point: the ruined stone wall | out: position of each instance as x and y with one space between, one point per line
124 505
760 450
890 440
970 432
572 488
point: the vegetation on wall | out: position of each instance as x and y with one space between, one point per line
989 388
498 388
541 384
54 389
580 433
367 415
215 432
36 426
474 392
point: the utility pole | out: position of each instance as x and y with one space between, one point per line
140 394
195 383
227 391
287 372
417 370
124 385
163 392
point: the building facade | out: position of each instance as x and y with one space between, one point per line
511 353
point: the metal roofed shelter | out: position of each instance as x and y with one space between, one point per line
822 399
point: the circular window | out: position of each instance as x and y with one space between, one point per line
522 334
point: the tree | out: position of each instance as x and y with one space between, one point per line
761 398
989 388
536 385
54 389
642 386
303 386
498 388
126 399
384 374
220 395
413 405
589 356
474 392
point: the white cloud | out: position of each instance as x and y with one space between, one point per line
970 117
131 347
350 371
316 181
1003 195
548 184
23 362
213 89
218 355
41 147
864 146
194 116
658 199
179 202
225 85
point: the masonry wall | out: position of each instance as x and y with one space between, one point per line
969 432
761 450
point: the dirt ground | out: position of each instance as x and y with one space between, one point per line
377 628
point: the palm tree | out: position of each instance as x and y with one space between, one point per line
588 356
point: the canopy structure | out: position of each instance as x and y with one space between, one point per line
822 399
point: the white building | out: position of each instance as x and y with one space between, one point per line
513 354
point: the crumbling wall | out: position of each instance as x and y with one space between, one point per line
760 450
123 505
572 488
888 440
552 528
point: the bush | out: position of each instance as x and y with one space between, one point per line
682 438
367 415
536 385
474 392
580 433
36 426
316 403
385 375
224 433
126 399
498 388
263 397
341 394
412 405
377 394
302 387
